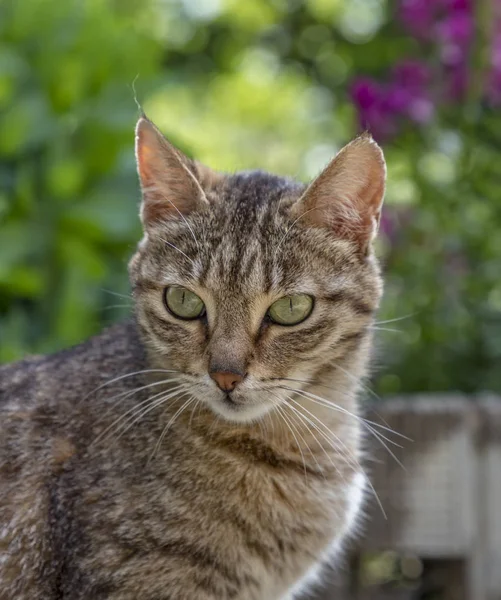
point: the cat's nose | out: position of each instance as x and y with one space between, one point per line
226 381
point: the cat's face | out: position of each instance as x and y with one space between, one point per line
248 282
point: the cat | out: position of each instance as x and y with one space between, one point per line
210 447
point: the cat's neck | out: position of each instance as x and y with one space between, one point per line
315 428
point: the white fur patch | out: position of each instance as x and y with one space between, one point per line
314 575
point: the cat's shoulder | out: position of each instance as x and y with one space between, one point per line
73 370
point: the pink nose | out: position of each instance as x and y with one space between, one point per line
226 381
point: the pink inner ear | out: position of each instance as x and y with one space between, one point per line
347 196
170 189
145 161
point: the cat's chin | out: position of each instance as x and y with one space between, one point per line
238 412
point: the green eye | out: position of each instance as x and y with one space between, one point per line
291 310
183 304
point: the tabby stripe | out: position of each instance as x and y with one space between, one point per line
143 285
162 323
201 557
358 304
248 264
353 337
262 543
259 452
309 338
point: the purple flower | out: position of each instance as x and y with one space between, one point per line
456 79
411 74
458 28
421 110
381 107
413 104
369 98
366 93
413 90
408 93
455 34
459 5
418 16
397 99
494 77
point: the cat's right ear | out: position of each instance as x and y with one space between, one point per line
347 196
170 188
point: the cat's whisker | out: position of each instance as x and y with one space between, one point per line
197 406
345 455
336 444
280 408
115 379
349 457
280 421
297 443
213 426
385 329
376 434
289 230
179 250
336 391
304 423
135 410
199 409
329 404
127 394
397 319
147 410
126 296
272 424
337 407
358 381
118 306
331 442
129 416
190 400
366 422
183 218
263 427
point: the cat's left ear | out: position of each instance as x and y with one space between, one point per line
169 181
347 196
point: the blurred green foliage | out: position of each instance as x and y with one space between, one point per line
238 85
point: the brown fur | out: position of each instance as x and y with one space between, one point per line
112 488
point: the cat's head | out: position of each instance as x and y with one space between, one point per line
246 282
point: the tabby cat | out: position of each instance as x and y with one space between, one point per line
210 448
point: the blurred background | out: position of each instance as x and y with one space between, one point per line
279 85
273 84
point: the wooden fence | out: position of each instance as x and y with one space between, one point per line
443 505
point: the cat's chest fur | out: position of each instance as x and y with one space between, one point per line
255 519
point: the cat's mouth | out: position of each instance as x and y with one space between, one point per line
230 401
241 405
248 402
